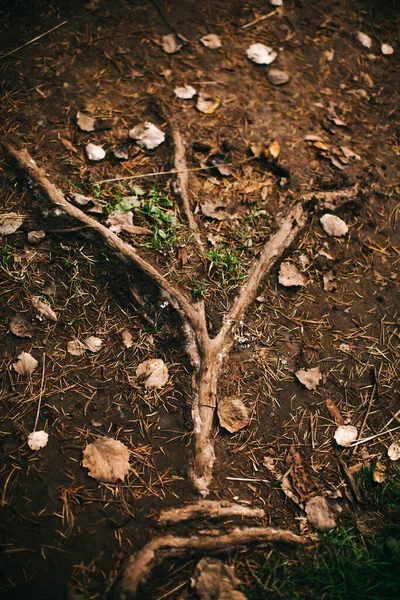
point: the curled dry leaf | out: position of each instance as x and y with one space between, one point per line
147 135
95 152
233 414
37 440
127 338
107 460
274 149
364 39
93 343
122 220
322 513
68 146
394 451
214 210
44 308
261 54
85 122
171 43
207 104
9 223
26 364
211 40
345 435
379 474
301 481
289 275
76 348
215 581
310 378
334 412
156 372
20 327
333 225
35 237
349 153
185 92
387 49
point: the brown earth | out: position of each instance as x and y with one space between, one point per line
62 532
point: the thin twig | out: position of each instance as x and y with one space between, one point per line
40 393
34 40
263 18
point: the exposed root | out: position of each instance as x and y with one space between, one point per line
211 509
140 565
183 180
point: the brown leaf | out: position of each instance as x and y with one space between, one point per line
68 146
9 223
26 364
44 308
215 210
322 513
334 412
107 459
300 478
183 256
20 327
233 414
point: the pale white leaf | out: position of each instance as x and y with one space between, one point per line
26 364
155 371
122 220
261 54
170 43
394 451
349 153
37 440
43 308
107 460
233 414
333 225
276 2
76 348
95 152
127 338
93 343
387 49
310 378
364 39
147 135
345 435
207 104
211 40
289 275
85 122
215 209
185 92
9 223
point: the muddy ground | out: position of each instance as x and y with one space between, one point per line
63 534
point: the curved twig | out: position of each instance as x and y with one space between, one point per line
140 565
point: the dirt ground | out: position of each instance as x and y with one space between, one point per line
63 534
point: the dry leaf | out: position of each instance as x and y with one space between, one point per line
301 481
329 55
37 440
207 104
156 372
274 149
214 210
287 489
379 474
68 146
121 153
387 49
261 54
322 513
211 40
276 2
85 123
147 135
394 451
289 275
127 338
364 39
20 327
334 412
93 343
329 282
170 43
185 92
95 152
278 77
213 580
233 414
122 220
35 237
76 348
9 223
349 153
26 364
44 308
49 288
310 378
269 464
321 146
345 435
107 460
333 225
